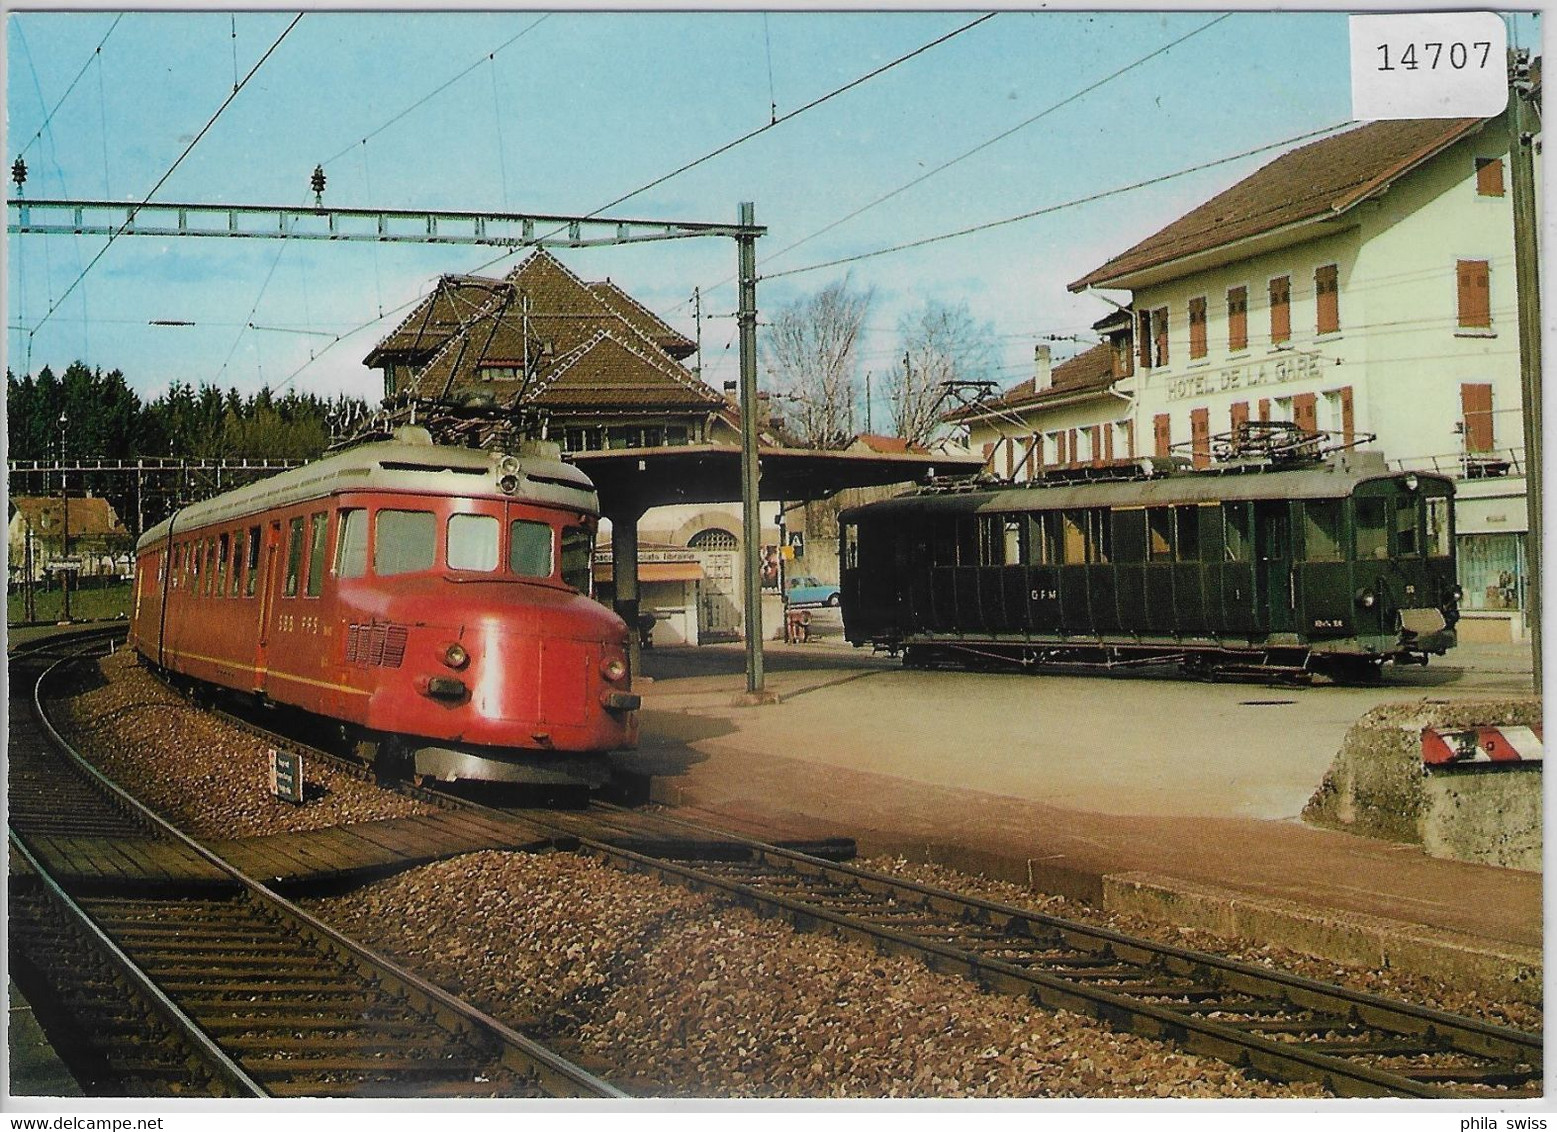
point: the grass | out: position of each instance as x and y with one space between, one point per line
96 599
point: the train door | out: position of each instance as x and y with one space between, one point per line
1273 573
267 596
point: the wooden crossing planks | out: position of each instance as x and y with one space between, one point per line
124 859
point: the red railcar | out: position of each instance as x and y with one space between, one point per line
433 601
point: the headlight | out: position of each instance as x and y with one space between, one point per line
1366 599
508 484
1458 594
455 656
508 466
614 669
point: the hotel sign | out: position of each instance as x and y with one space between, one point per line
1231 379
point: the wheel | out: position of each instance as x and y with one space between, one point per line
833 600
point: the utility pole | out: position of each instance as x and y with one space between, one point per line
697 316
867 402
1521 146
751 521
64 495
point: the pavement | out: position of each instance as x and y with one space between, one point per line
1168 797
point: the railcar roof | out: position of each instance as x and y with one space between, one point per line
399 465
1331 480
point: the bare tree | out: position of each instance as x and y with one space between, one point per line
939 344
811 357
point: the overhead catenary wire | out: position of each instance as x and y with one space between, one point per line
130 218
49 117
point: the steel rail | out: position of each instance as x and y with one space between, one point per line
553 1072
1232 1042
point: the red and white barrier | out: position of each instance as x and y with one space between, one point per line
1444 747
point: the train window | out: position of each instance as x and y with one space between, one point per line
210 564
1186 534
1405 525
1000 540
238 556
318 524
529 548
1438 537
1159 534
1372 531
967 541
351 543
254 562
943 541
1012 528
253 570
1100 536
578 556
294 555
223 549
404 542
851 546
473 542
1074 531
1043 539
1237 532
1322 532
1129 534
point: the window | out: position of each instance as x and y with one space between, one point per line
501 373
1237 319
1074 524
1322 530
1280 309
529 548
239 553
1327 299
210 565
1159 534
578 557
294 555
1186 533
1197 327
1044 542
1372 531
1405 526
254 555
1438 532
1489 176
318 524
1237 531
1012 528
404 542
223 555
351 543
473 542
1160 334
1475 294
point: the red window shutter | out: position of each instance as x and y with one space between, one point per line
1200 436
1061 452
1281 309
1034 448
1143 339
1160 328
1238 319
1305 412
1097 445
989 457
1130 438
1475 295
1476 405
1348 420
1327 299
1489 176
1073 445
1238 416
1164 443
1197 327
1108 443
1264 408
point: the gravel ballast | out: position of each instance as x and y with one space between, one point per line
682 994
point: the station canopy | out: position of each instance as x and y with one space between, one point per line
632 480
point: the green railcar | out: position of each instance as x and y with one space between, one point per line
1334 567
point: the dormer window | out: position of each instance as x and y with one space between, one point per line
501 373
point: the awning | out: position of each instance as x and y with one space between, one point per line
658 572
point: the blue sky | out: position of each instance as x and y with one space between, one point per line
584 107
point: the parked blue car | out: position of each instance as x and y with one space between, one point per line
809 591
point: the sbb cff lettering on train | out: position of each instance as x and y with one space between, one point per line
431 602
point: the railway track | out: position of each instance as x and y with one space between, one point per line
1274 1024
221 987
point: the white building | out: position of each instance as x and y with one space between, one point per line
1363 286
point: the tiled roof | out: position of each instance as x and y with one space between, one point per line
885 445
1320 180
455 301
645 321
1091 369
561 322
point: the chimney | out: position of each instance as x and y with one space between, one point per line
1043 376
730 394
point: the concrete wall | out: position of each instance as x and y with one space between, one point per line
1378 787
